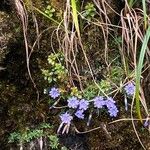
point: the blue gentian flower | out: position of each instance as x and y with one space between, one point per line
54 92
99 102
79 114
130 89
113 111
66 118
112 108
110 102
73 102
83 104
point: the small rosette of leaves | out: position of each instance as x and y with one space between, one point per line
89 12
49 11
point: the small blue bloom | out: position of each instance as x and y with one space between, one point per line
99 102
110 102
66 118
83 104
113 111
73 102
54 92
129 89
79 114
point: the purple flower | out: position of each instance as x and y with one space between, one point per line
73 102
79 114
113 111
129 89
110 102
54 92
99 102
83 104
66 118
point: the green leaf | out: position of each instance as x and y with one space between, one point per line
139 71
75 16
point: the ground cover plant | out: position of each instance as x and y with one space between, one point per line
75 74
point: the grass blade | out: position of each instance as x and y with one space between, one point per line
45 15
145 14
131 3
139 71
75 16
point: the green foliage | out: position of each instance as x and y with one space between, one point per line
29 134
105 86
92 90
56 72
90 11
14 137
26 136
49 11
75 92
117 41
54 141
116 74
45 126
49 15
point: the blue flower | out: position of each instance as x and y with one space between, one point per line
83 104
66 118
79 114
112 109
54 92
73 102
129 89
110 102
99 102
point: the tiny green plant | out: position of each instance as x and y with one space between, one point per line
75 92
49 11
56 71
90 11
24 137
116 74
43 130
54 141
14 137
45 126
29 134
